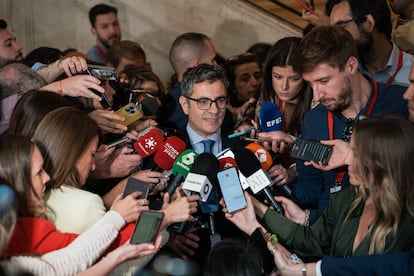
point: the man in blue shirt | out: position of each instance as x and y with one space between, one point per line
106 29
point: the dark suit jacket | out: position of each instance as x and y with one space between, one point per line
387 264
224 227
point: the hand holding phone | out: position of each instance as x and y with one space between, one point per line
241 133
118 143
310 150
258 140
147 227
134 185
231 189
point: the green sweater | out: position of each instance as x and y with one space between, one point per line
332 235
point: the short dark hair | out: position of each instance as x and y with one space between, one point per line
200 73
125 48
3 24
192 44
100 9
332 45
379 9
233 62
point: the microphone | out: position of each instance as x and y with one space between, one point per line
261 154
168 152
149 141
202 176
148 103
226 159
181 168
266 162
202 179
257 178
270 117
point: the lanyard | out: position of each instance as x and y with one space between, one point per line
399 65
292 130
100 50
280 104
368 111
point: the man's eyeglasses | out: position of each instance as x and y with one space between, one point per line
346 136
205 103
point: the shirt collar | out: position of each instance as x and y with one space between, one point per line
196 138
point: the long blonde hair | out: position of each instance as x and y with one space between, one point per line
383 151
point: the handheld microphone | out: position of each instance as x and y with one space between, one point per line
202 176
226 159
270 117
181 168
148 103
168 152
257 178
149 141
261 154
202 179
266 162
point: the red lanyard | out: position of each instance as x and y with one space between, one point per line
280 104
368 111
100 50
399 65
292 129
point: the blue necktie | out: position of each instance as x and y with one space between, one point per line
208 145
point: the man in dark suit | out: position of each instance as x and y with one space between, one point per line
203 100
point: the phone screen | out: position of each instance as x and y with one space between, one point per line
231 189
309 150
147 227
134 185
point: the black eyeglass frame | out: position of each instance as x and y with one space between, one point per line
216 101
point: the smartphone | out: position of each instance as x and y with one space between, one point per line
231 189
134 185
257 140
310 150
147 227
105 102
131 112
240 133
306 5
118 143
102 73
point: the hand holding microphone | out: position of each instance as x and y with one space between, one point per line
257 178
181 209
200 181
148 142
270 117
277 173
181 168
271 126
168 152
